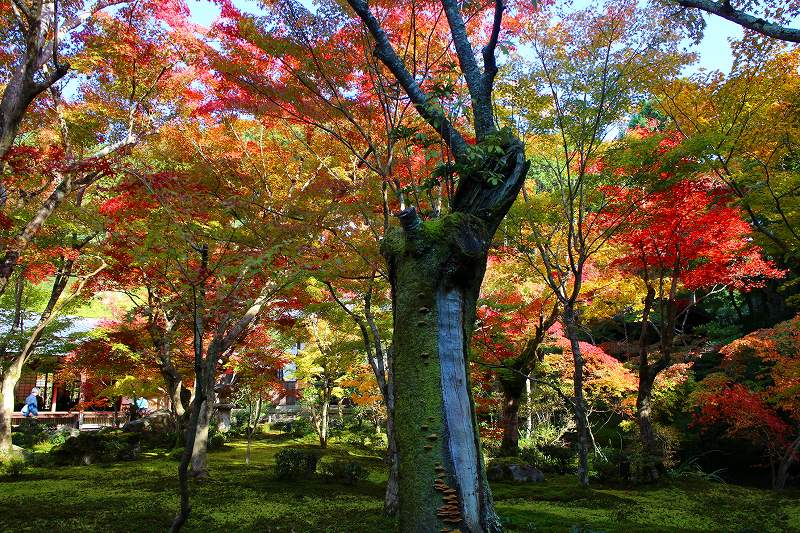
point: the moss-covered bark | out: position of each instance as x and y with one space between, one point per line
436 269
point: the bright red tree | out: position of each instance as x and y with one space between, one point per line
688 240
756 397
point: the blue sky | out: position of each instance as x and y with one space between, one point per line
714 51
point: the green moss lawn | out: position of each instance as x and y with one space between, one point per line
141 496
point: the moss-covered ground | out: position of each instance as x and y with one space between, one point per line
141 496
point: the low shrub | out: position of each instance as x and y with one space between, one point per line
60 436
98 447
293 463
612 466
12 467
692 470
176 454
345 472
160 439
217 440
365 438
31 432
553 458
299 427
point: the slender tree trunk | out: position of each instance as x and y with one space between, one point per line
435 271
174 389
323 423
183 467
788 460
7 385
251 429
512 387
643 419
647 376
201 368
199 462
581 419
529 406
391 500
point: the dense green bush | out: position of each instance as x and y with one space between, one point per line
98 447
553 458
217 440
346 472
361 435
30 432
293 463
176 454
60 436
299 427
12 467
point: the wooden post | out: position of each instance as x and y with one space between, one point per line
54 398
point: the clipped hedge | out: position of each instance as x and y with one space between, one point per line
98 447
294 463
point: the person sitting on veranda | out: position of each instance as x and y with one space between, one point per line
142 405
31 407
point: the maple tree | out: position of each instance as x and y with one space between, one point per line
687 237
755 396
514 315
57 164
329 355
255 380
195 233
745 122
115 361
579 84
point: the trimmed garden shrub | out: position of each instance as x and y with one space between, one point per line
98 447
12 467
346 472
293 463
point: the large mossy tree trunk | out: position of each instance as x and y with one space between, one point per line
436 269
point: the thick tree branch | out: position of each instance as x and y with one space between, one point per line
424 105
478 90
489 60
725 10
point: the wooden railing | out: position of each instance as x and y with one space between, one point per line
72 418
